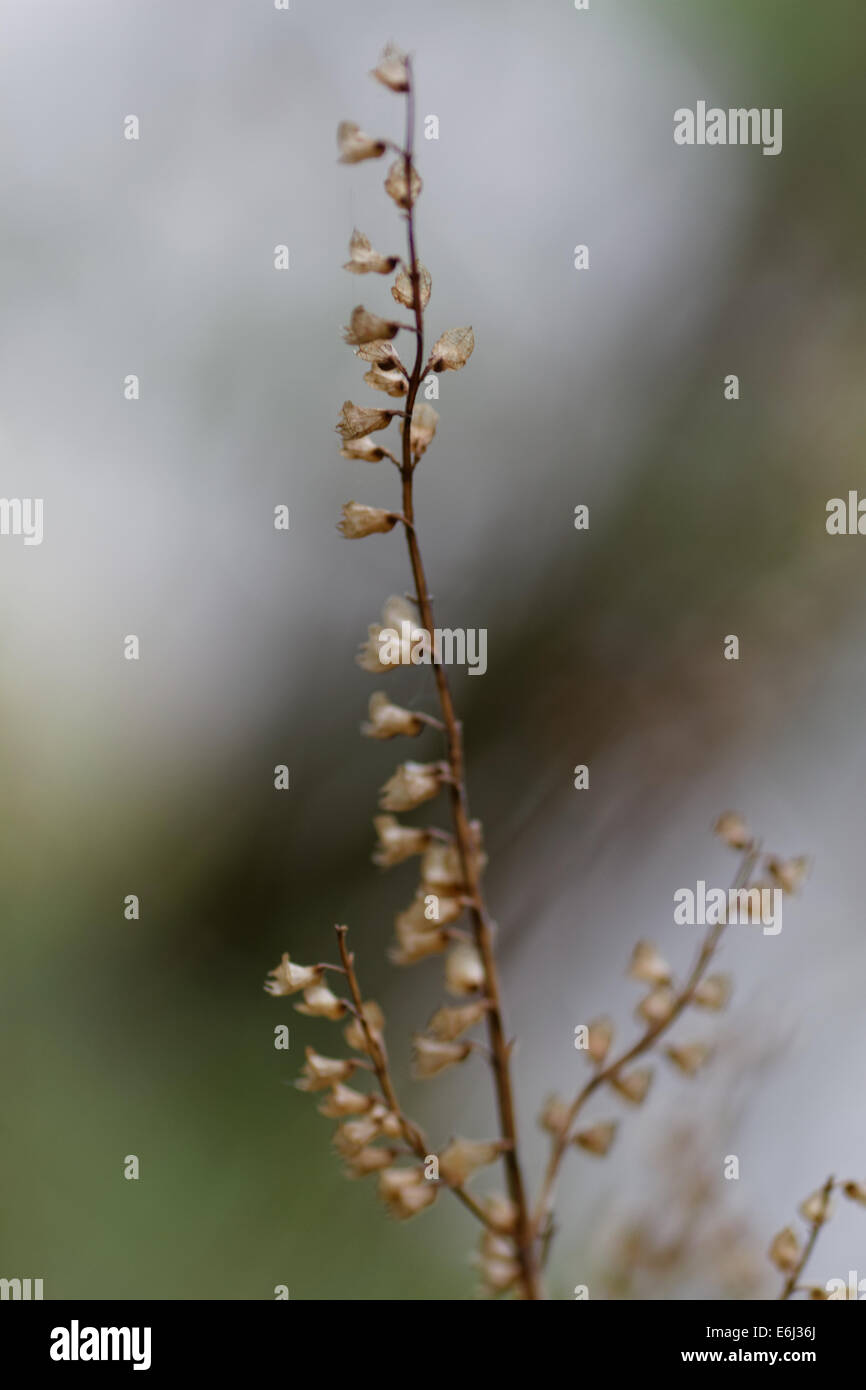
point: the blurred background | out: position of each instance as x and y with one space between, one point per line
604 387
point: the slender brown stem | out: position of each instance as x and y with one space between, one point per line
562 1141
793 1279
413 1136
481 923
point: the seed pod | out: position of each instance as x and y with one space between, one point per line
452 351
287 978
646 964
359 520
363 259
357 420
396 186
598 1138
355 144
432 1056
402 287
412 784
392 69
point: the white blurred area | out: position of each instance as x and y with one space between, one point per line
155 257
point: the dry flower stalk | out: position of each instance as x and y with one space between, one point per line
375 1136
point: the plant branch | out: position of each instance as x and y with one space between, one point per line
606 1074
482 925
376 1050
793 1279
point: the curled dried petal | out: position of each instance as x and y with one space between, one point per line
431 1055
287 978
355 144
365 327
387 720
412 784
360 520
363 259
392 69
397 842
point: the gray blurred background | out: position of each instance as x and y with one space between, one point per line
707 518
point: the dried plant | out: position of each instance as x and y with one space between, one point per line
375 1135
790 1254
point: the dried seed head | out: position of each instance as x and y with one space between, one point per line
354 1135
356 1035
396 186
422 428
365 327
393 383
410 785
502 1212
392 69
452 351
463 1157
598 1138
365 448
599 1039
441 866
657 1007
451 1020
321 1002
415 918
856 1191
432 1055
355 144
397 842
374 655
320 1072
732 829
387 1120
635 1085
402 287
713 992
287 978
554 1116
363 259
816 1292
415 943
359 520
787 874
367 1161
646 964
357 420
387 720
405 1196
383 354
344 1100
817 1208
464 970
785 1250
689 1058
